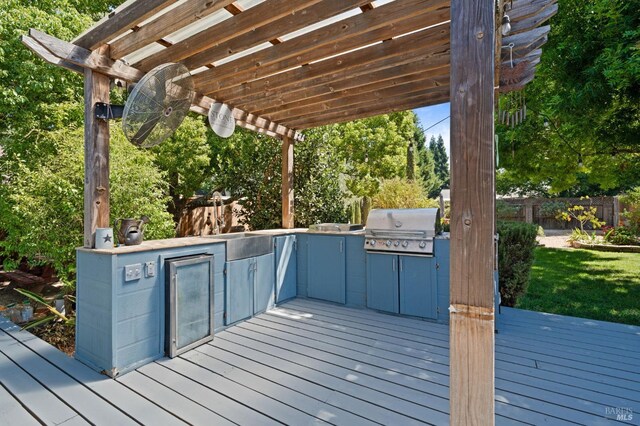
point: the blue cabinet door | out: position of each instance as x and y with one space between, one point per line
382 282
263 288
326 268
418 289
239 292
285 267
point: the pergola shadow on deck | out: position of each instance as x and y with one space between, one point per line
315 362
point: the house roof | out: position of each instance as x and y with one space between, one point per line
286 65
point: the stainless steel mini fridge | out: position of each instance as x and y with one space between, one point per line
189 297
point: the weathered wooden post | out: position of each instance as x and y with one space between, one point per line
472 212
287 183
96 157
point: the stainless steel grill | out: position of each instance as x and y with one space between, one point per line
402 231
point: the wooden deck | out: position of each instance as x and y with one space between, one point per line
313 362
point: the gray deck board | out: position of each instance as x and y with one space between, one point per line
12 411
128 401
311 362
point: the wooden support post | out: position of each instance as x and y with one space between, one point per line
287 183
472 212
96 157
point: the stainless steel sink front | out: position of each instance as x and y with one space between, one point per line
241 245
335 227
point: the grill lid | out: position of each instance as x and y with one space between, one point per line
409 231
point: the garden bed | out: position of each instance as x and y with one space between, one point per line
606 247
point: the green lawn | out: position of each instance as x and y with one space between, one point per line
584 283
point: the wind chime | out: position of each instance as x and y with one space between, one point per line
512 108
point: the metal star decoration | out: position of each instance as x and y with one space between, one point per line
107 238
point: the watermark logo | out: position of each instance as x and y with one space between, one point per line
619 413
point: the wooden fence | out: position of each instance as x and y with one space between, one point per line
537 210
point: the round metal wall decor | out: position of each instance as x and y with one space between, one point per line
221 120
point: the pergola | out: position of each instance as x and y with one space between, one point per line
288 65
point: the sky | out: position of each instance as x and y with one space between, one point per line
429 116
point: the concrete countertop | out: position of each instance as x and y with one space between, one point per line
152 245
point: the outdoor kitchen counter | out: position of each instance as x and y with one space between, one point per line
152 245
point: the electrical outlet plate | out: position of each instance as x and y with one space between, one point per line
150 269
133 272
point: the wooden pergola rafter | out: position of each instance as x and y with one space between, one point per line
287 65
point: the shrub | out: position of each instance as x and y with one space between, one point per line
552 208
401 193
621 236
515 257
583 214
41 201
632 216
505 210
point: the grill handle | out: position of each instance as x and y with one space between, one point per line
383 233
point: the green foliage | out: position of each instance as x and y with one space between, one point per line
41 202
319 183
505 210
583 214
69 321
632 214
552 208
441 160
515 257
401 193
373 149
583 118
622 236
185 158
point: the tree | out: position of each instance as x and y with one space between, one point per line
583 107
441 160
186 159
41 203
426 165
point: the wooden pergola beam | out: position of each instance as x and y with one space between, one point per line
124 18
379 24
273 100
526 39
181 16
403 102
288 213
268 33
437 76
96 157
255 17
101 63
387 54
472 372
523 9
416 84
520 26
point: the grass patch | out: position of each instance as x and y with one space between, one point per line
587 284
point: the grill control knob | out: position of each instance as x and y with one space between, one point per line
405 244
396 243
373 242
423 244
388 243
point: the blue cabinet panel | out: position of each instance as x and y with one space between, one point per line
418 289
239 291
326 268
263 286
443 265
301 264
382 282
285 267
356 271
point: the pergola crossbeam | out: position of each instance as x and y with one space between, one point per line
124 18
379 24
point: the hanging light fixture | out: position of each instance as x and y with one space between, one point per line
505 28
